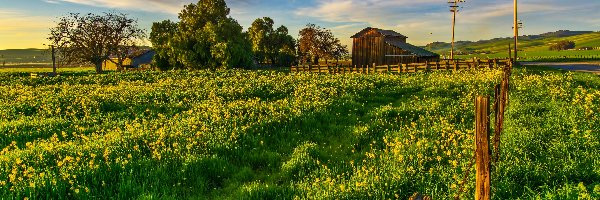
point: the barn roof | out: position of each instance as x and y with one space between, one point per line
144 58
380 31
409 47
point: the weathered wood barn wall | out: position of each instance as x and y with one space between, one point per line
386 47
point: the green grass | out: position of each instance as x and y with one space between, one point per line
269 135
44 69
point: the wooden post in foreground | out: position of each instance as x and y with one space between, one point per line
53 61
482 150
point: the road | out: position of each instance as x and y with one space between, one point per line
591 67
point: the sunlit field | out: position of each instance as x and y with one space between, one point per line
34 69
271 135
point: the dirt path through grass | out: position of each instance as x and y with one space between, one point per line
591 67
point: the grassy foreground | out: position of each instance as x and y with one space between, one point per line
269 135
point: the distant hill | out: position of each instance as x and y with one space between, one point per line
539 42
25 56
19 56
564 33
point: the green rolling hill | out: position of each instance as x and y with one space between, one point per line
532 45
20 56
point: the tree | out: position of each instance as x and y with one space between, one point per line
260 35
94 38
275 45
339 51
285 48
307 43
160 37
562 45
206 37
317 43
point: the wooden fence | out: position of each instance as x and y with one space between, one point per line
444 65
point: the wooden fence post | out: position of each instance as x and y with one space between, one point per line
331 69
495 63
374 69
427 67
500 106
455 65
482 142
388 69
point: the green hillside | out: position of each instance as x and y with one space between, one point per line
535 45
18 56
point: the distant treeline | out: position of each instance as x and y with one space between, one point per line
206 37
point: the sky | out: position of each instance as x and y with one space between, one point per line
26 23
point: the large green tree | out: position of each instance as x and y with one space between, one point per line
205 38
274 45
259 34
285 47
160 37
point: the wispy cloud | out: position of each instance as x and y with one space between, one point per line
376 12
20 30
8 12
164 6
51 1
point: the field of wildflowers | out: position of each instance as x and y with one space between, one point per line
270 135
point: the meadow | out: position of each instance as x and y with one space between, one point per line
43 69
270 135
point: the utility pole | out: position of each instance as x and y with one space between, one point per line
53 60
516 29
454 9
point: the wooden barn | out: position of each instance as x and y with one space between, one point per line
386 47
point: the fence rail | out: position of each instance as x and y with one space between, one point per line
443 65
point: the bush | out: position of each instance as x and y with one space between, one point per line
562 45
